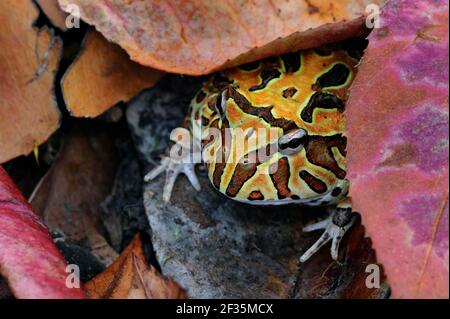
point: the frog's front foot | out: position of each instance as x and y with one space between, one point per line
173 168
335 228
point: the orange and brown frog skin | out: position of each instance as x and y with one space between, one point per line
299 98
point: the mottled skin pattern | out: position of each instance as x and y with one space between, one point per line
301 90
301 96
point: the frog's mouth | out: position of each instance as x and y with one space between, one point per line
321 200
331 197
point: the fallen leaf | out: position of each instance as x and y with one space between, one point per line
28 62
29 260
54 13
199 37
69 196
321 277
398 146
129 277
103 76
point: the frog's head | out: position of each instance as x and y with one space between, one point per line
301 98
263 160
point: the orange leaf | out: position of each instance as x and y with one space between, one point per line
103 76
129 277
54 13
28 61
198 37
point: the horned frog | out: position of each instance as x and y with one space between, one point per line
272 133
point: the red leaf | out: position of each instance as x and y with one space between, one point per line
29 260
398 146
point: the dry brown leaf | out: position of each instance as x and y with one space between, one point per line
69 196
54 13
129 277
198 37
28 62
103 76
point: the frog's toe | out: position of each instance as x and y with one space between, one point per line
173 169
189 171
333 233
316 226
325 238
162 167
336 234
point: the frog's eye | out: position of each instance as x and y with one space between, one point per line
293 141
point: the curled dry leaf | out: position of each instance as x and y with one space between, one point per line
398 146
54 13
28 61
198 37
70 194
103 76
29 260
129 277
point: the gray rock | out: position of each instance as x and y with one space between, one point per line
153 114
218 248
